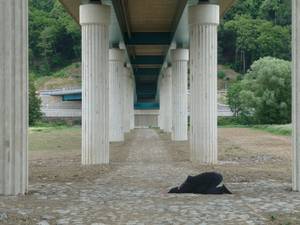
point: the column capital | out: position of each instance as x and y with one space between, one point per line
116 54
180 54
204 14
94 14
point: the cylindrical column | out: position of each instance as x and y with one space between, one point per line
116 87
160 109
131 97
296 94
126 104
94 19
168 100
161 104
180 58
133 102
13 97
203 21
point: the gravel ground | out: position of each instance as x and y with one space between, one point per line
133 188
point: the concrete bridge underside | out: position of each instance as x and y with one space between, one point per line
135 54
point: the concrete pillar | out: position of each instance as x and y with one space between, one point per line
134 100
116 87
94 19
13 97
180 58
164 112
168 100
161 118
203 21
159 94
126 103
296 94
131 102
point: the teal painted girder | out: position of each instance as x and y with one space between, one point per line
147 69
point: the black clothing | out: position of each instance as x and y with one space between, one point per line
205 183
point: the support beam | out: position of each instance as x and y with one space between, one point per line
149 38
121 10
146 71
180 58
116 93
203 21
148 79
146 90
94 19
13 97
296 94
147 60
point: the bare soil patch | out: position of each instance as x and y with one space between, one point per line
59 157
245 155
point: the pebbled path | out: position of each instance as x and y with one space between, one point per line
134 193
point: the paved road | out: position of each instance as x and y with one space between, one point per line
135 193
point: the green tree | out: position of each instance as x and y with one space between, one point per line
255 38
264 95
244 7
234 102
274 41
54 37
35 113
278 11
252 29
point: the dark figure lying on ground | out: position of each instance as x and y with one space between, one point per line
205 183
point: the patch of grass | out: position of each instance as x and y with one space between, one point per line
228 121
49 124
71 70
69 76
285 130
232 122
55 138
221 74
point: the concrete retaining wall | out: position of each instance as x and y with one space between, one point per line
54 106
146 118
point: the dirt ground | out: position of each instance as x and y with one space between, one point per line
57 162
246 155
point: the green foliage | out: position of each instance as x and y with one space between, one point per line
255 38
56 124
253 29
228 121
278 11
285 130
35 113
232 122
233 98
54 37
264 95
221 75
